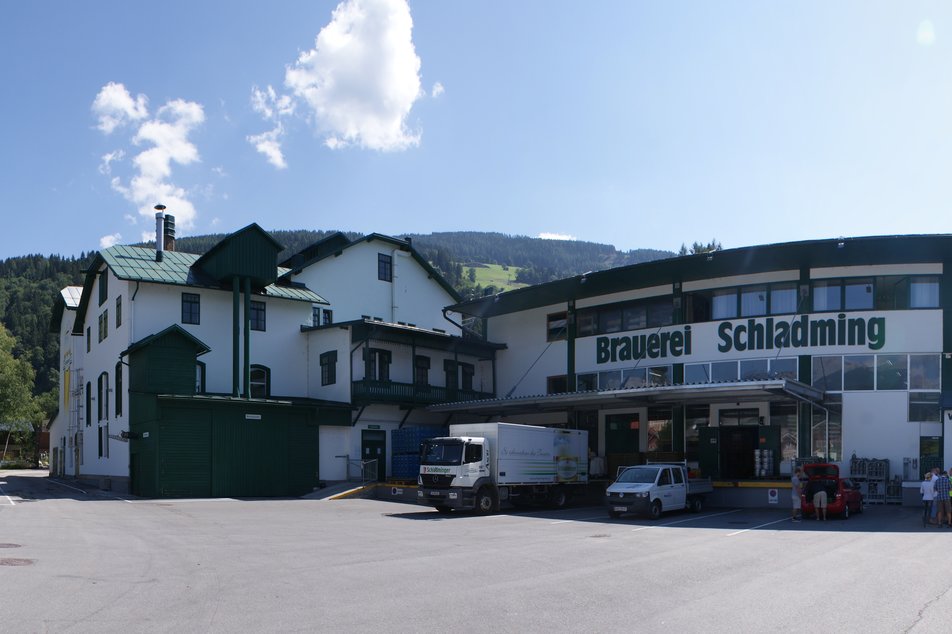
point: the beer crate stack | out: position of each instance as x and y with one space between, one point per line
405 450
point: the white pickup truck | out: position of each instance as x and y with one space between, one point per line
653 489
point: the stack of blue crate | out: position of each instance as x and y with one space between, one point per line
405 452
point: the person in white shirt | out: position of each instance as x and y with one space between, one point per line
796 488
927 489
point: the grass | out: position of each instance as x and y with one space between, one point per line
494 275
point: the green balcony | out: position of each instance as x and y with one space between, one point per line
365 392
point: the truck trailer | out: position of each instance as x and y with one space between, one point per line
479 466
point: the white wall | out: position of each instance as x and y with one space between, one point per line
874 426
281 346
319 342
349 282
525 335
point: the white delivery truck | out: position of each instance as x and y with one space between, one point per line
651 489
477 466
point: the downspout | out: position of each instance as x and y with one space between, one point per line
247 381
235 325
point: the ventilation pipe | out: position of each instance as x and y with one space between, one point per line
169 233
159 241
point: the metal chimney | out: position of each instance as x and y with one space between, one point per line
159 217
169 233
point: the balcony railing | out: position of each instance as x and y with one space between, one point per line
409 393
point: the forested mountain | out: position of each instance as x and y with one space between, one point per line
29 284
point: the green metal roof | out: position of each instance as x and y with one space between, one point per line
172 331
138 264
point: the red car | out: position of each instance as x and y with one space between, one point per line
843 496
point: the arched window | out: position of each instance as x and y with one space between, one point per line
199 377
119 389
102 396
260 381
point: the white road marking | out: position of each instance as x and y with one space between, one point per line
786 519
4 495
690 519
67 486
580 519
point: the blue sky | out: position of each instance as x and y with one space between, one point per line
638 124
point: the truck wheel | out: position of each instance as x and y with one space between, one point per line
655 510
558 498
443 510
695 504
485 501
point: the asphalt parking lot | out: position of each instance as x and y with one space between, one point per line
77 560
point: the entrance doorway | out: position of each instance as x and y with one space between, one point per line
373 446
737 452
621 441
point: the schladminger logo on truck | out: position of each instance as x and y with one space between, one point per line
436 469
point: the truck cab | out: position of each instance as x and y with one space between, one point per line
453 471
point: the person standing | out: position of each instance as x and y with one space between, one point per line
927 489
941 498
796 488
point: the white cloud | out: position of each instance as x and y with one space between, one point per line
105 167
130 219
926 33
115 107
362 77
269 144
273 108
167 135
107 241
437 90
556 236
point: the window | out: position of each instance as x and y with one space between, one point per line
659 375
449 374
660 429
586 322
697 373
102 396
923 372
328 317
556 326
924 407
724 371
118 311
783 299
696 417
103 325
421 370
258 316
260 381
784 416
785 368
892 372
858 372
753 370
315 315
826 296
199 377
466 372
724 304
634 317
89 404
924 292
609 320
119 389
753 301
586 382
828 373
609 380
557 384
473 453
635 377
384 267
329 367
191 308
377 365
103 287
858 294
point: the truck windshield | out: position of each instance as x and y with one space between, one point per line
639 475
442 453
